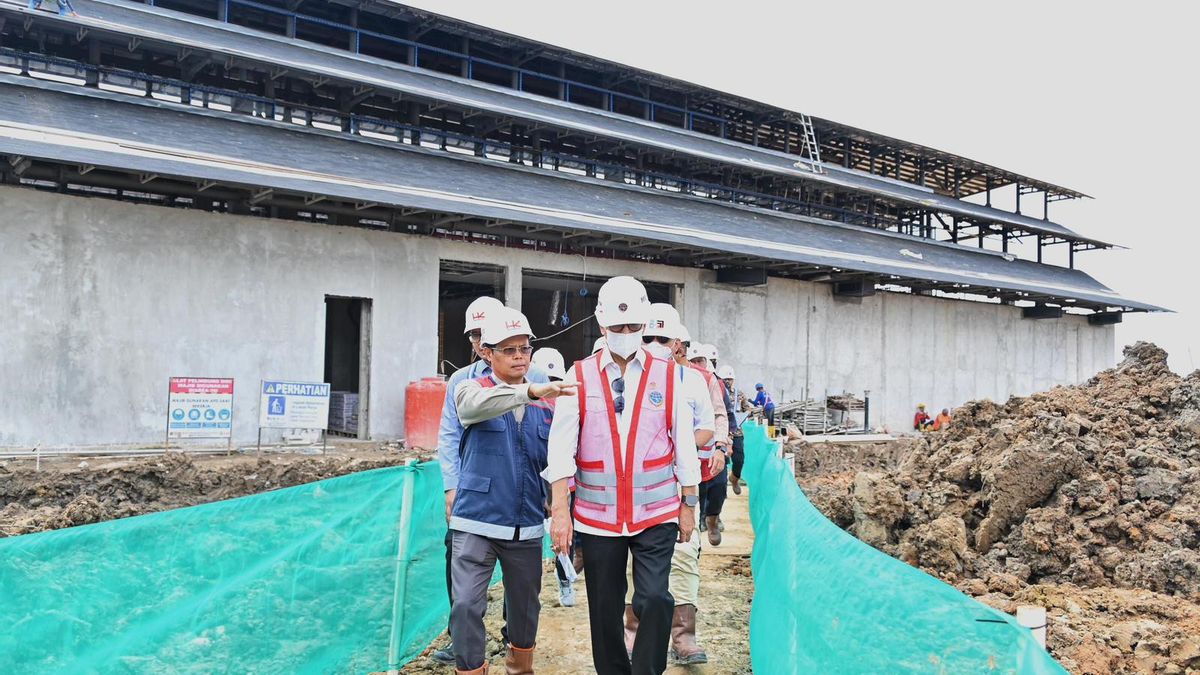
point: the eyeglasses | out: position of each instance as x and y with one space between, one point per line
510 352
647 339
686 344
625 328
618 387
475 335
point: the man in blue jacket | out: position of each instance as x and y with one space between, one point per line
498 510
451 430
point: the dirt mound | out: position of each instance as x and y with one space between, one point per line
90 492
1084 499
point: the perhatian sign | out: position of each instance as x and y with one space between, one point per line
200 407
294 405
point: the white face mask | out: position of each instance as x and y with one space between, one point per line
659 350
623 345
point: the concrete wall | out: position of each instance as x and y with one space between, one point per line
102 301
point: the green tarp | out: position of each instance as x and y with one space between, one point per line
298 580
824 602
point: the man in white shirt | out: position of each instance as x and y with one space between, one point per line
628 440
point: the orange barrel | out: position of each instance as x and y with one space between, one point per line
423 401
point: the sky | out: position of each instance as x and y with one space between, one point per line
1097 97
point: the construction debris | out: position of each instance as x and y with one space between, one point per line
64 494
1084 500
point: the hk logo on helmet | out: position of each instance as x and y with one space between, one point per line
512 325
479 316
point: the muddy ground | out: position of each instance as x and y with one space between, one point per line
564 646
1084 500
77 491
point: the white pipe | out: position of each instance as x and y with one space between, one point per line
401 573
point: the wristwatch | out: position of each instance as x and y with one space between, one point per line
691 500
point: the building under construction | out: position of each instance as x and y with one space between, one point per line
315 189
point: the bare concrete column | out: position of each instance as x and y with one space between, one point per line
512 286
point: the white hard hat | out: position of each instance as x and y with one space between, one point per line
684 334
664 321
550 361
693 351
503 324
478 310
725 372
622 300
710 352
599 344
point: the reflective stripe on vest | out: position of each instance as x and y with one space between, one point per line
634 489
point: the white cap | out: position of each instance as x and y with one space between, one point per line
725 372
622 300
550 361
478 310
664 321
599 344
504 324
710 352
684 334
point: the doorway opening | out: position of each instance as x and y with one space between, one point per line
459 283
560 307
348 364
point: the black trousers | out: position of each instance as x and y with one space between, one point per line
770 413
739 455
712 493
604 565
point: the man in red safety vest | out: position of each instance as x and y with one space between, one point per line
627 438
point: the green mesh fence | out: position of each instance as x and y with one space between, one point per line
824 602
309 579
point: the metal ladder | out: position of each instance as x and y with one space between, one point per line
811 149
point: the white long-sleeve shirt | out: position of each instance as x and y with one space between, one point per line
564 431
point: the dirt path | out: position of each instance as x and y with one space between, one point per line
564 642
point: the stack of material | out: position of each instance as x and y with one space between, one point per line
809 417
343 412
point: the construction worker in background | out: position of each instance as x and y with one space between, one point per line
661 339
942 421
450 431
921 420
736 438
627 438
713 458
763 400
499 511
550 361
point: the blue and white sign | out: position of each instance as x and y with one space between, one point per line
293 405
200 407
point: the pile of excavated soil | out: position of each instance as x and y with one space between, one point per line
1084 500
65 493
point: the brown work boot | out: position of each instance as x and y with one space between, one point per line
631 626
714 530
683 636
518 661
735 484
478 671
